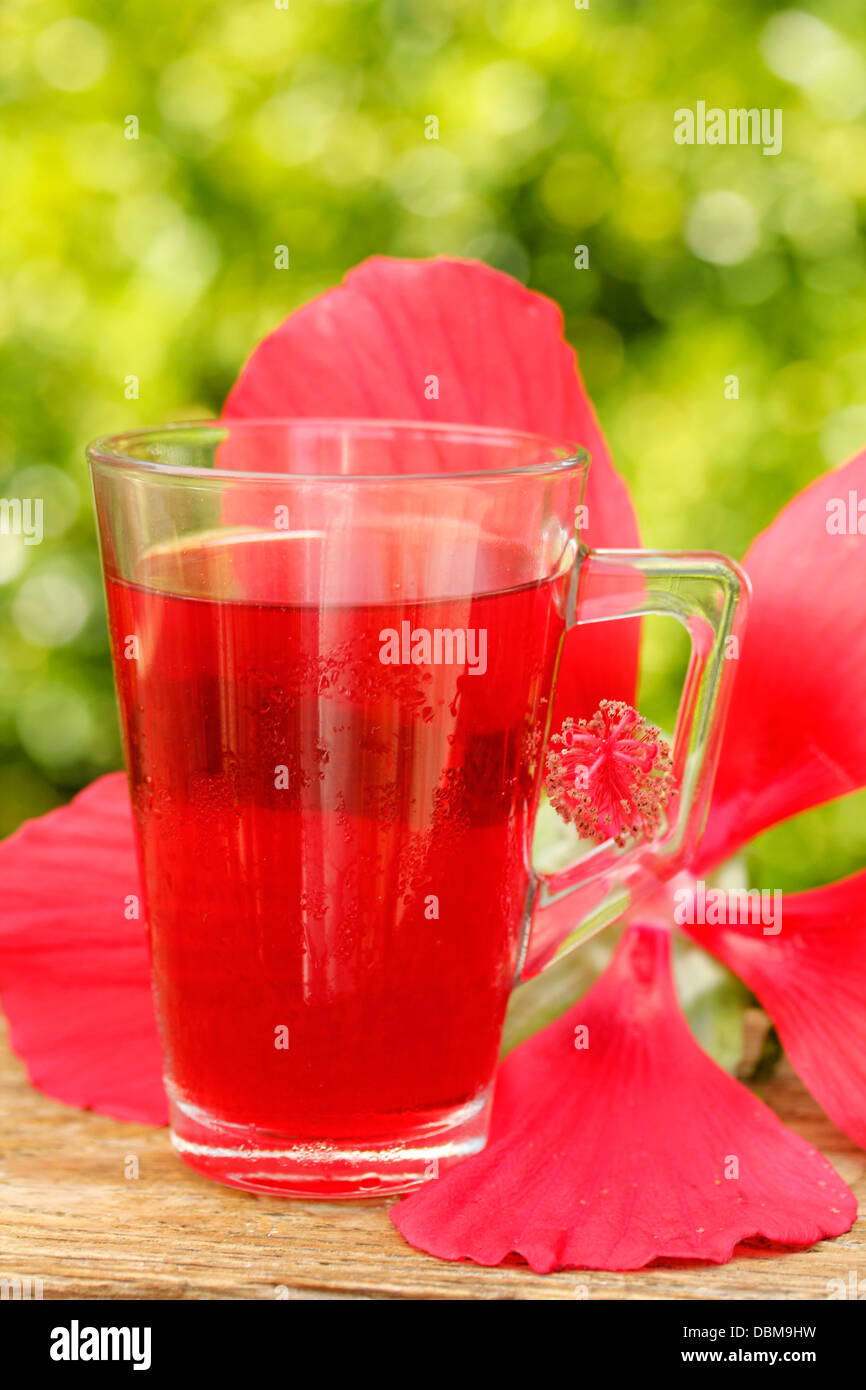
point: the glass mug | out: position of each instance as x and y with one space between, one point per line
335 645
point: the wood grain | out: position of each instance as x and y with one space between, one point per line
70 1217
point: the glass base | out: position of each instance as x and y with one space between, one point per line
281 1165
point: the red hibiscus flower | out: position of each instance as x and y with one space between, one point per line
638 1146
615 1139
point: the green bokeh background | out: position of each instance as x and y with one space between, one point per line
260 126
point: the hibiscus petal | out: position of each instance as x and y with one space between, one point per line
811 979
795 734
620 1153
367 348
74 972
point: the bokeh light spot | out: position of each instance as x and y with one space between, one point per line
844 434
509 96
429 180
71 54
56 724
722 227
53 604
797 46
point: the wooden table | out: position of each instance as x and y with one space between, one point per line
70 1217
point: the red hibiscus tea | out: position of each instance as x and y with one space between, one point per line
335 645
334 766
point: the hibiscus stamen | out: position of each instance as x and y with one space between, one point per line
610 776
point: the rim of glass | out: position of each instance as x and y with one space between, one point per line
109 448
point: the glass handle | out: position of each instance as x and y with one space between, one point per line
708 593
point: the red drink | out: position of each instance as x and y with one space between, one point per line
335 847
335 643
